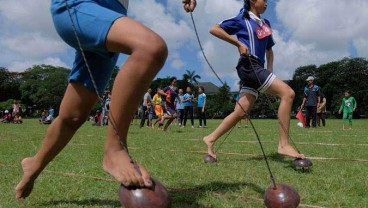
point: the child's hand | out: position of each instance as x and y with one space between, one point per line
189 5
243 49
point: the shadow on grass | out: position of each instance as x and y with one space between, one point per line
83 203
181 198
191 197
281 159
275 157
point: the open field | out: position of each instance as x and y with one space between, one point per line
76 179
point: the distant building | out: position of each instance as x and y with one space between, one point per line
209 87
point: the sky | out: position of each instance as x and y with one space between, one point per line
305 31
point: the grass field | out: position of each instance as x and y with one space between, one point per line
76 179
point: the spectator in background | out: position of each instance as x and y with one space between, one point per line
52 111
7 118
311 101
321 111
106 108
16 107
146 98
348 106
180 107
43 117
48 119
150 113
18 119
188 107
98 118
201 106
157 102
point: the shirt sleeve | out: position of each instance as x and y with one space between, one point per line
342 105
232 25
166 89
270 42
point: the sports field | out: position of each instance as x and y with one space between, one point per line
75 178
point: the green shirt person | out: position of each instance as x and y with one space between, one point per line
348 106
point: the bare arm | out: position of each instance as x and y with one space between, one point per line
269 57
303 103
218 32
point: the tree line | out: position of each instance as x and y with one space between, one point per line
42 86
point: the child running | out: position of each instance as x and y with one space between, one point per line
254 42
104 31
348 106
170 93
157 102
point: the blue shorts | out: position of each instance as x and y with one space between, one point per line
255 78
170 109
92 19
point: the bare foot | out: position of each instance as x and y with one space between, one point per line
30 173
289 151
118 164
209 143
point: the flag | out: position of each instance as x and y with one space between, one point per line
301 117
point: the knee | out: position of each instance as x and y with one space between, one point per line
240 115
72 121
289 95
154 49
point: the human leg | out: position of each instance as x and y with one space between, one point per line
61 130
308 116
186 111
319 117
314 116
191 114
323 118
350 117
204 118
246 102
143 118
148 53
199 112
344 118
283 91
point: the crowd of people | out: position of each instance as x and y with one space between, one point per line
14 115
172 104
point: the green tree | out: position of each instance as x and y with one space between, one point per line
44 85
220 104
9 85
191 77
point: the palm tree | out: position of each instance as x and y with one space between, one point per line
191 76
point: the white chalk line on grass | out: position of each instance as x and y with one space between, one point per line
258 155
302 143
169 188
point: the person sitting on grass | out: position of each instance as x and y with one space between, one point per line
114 33
18 119
348 106
7 118
48 119
43 117
253 48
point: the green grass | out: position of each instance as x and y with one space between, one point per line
236 181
